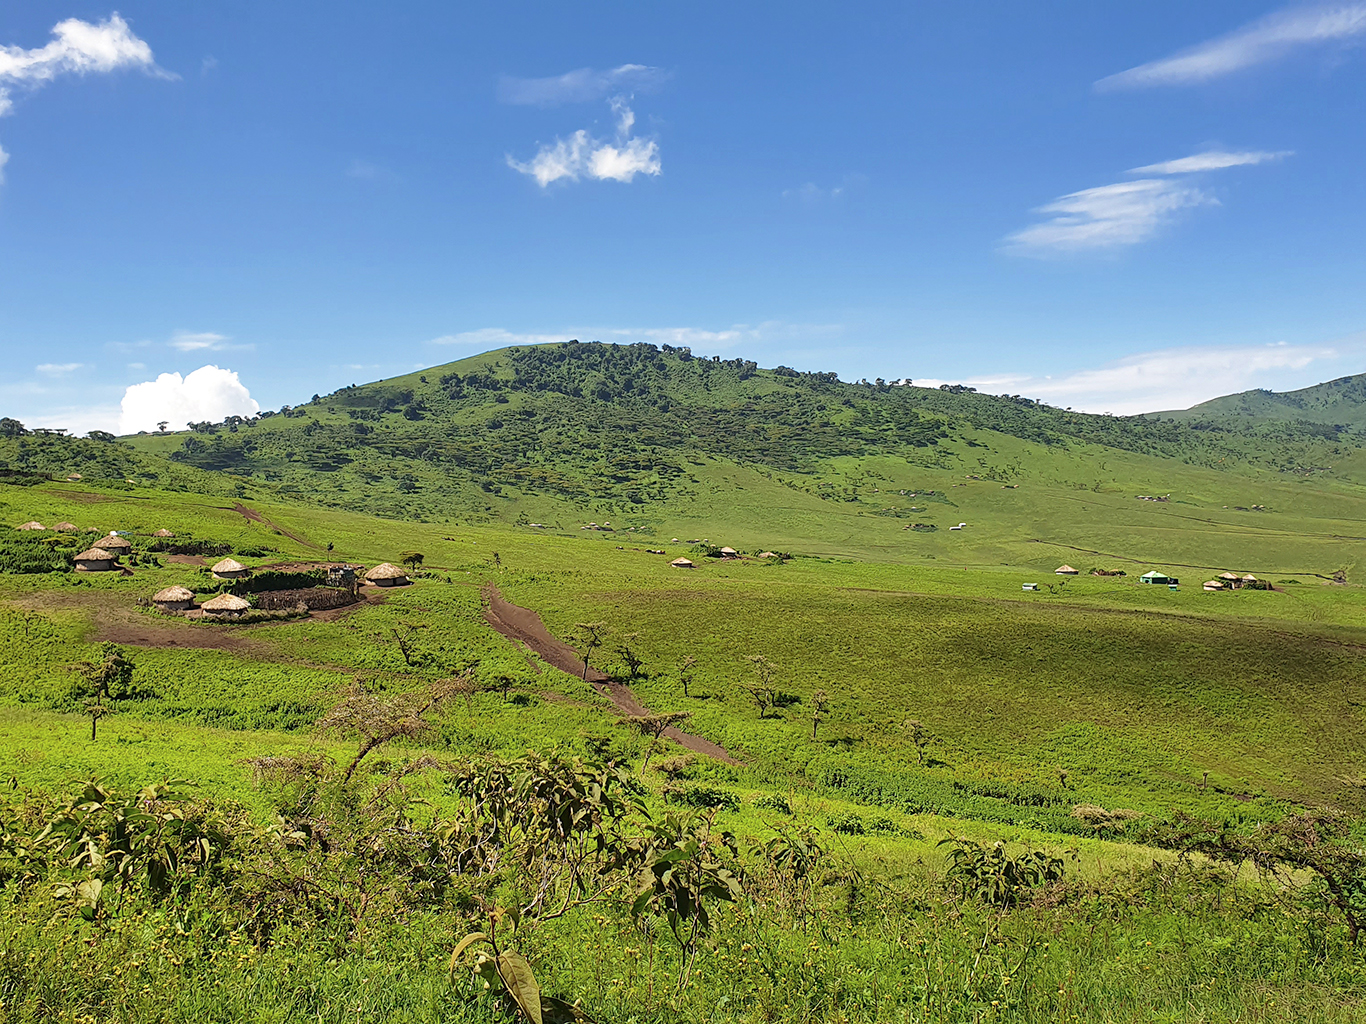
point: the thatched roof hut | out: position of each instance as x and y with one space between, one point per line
174 599
1229 576
163 533
682 563
1213 584
387 575
115 543
729 553
96 560
32 525
229 569
1065 570
225 606
66 527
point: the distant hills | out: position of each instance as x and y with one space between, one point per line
590 430
1337 402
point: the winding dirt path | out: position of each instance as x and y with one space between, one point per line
523 626
256 517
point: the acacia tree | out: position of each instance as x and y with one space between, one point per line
685 672
104 681
655 726
378 719
588 636
820 707
413 559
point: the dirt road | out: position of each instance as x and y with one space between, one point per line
524 626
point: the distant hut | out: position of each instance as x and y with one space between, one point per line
33 526
96 560
1214 585
682 563
174 599
225 606
230 569
66 527
1064 570
767 554
1156 577
387 575
729 553
116 544
163 533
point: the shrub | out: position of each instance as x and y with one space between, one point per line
773 802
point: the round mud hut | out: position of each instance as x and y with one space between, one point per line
116 544
163 533
174 599
66 527
387 575
31 525
96 560
682 563
729 553
229 569
224 606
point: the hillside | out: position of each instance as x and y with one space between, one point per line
1336 403
592 427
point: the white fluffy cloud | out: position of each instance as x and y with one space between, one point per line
579 86
77 47
208 393
1265 39
1127 212
1167 379
582 156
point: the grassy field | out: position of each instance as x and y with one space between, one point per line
1237 708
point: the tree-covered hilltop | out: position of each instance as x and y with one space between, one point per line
589 422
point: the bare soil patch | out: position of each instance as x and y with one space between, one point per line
523 626
195 560
124 625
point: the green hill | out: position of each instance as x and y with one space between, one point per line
1336 403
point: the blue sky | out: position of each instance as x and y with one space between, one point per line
1111 208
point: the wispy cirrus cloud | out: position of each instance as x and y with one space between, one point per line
58 369
582 156
200 341
77 47
702 337
1269 38
579 86
1126 212
496 337
1211 160
1174 378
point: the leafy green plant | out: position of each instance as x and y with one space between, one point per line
995 877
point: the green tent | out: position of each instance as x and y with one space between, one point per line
1156 577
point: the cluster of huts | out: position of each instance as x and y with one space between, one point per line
180 600
1232 581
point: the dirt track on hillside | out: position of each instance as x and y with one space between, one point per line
523 626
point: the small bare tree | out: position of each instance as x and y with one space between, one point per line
685 672
820 707
588 637
920 736
405 635
627 646
655 726
377 719
762 692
